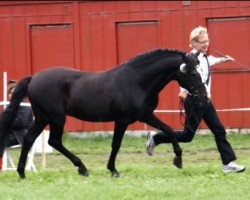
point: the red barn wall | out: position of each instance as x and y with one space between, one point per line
98 35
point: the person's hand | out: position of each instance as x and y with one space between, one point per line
183 94
227 58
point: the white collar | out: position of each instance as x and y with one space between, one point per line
194 51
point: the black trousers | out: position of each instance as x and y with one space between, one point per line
194 115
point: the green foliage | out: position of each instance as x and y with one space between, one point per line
142 176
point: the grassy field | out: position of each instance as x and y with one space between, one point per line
142 177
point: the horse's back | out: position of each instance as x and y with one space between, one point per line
58 73
64 91
48 88
52 78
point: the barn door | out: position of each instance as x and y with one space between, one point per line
52 45
230 81
134 38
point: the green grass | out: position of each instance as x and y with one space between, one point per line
142 176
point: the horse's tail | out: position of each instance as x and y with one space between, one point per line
9 114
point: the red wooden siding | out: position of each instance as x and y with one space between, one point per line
51 45
98 35
141 36
230 80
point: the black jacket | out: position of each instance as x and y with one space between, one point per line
21 125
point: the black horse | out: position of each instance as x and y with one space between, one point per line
124 94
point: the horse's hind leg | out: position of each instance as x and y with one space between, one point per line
153 121
55 140
28 141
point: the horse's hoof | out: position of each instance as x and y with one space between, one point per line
83 172
178 162
22 175
115 174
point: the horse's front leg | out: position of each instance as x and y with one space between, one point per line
153 121
120 128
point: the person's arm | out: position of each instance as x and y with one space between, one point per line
226 58
214 60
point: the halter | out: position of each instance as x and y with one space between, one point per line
193 91
194 94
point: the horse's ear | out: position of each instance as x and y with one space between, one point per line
183 68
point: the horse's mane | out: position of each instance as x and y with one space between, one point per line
153 55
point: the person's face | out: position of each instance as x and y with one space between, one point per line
10 93
201 43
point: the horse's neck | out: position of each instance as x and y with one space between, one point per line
158 76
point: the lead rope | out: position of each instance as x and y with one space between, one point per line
182 115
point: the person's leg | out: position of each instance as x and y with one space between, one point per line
226 151
192 121
193 118
12 140
214 124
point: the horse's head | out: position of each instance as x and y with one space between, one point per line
190 79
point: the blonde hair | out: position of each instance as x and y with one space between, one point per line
195 33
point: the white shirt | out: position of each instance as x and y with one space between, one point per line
202 68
